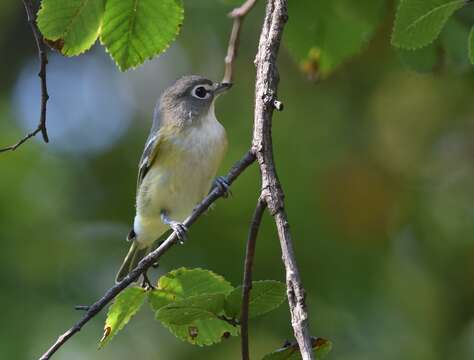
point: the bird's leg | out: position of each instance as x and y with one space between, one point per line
221 182
180 230
146 283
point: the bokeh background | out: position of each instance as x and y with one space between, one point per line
377 163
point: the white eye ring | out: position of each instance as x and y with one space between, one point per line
201 92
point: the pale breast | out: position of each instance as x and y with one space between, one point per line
183 172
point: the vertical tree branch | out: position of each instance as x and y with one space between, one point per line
238 14
265 102
247 281
43 59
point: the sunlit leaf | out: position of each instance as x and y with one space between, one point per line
184 282
125 305
265 296
159 298
204 332
419 22
184 312
71 26
189 301
334 30
291 352
137 30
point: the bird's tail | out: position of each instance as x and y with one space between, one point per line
135 254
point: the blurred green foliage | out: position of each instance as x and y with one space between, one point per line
377 166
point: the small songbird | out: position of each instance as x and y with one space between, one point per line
179 163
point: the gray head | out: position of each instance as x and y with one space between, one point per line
189 99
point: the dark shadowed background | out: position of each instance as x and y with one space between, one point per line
377 163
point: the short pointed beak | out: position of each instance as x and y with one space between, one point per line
220 88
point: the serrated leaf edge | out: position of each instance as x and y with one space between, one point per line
398 45
217 276
148 58
64 34
108 334
173 305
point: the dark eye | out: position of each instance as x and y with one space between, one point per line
200 92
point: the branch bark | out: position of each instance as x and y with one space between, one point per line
43 59
247 281
238 14
265 102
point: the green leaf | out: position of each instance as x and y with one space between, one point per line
423 60
126 304
291 352
471 46
137 30
204 332
265 296
184 312
419 22
159 298
73 25
184 283
188 301
453 38
321 35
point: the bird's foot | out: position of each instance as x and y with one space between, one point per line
146 283
180 230
221 183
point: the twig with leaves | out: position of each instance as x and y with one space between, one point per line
271 194
43 59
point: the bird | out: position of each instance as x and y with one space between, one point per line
179 164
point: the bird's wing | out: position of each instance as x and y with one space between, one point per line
151 148
148 156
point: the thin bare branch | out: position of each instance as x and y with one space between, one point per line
151 258
265 100
43 59
238 14
247 281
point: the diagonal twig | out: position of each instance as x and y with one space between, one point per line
43 59
247 281
151 258
238 14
